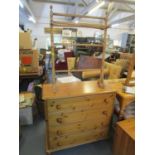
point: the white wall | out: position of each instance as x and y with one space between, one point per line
41 12
38 32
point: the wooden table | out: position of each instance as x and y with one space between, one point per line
31 74
124 139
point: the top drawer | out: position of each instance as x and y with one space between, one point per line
80 103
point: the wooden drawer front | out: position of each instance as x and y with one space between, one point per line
81 116
58 143
80 103
77 128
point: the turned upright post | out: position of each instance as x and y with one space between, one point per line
52 46
101 80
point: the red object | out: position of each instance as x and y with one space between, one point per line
26 60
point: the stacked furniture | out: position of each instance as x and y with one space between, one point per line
28 57
29 69
66 109
79 112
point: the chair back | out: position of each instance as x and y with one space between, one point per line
114 70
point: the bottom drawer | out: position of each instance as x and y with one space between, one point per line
77 139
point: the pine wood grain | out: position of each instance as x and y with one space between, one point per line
73 121
124 139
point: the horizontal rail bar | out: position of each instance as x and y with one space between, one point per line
76 15
86 25
77 70
55 30
90 45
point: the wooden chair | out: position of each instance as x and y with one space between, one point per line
114 71
123 102
70 64
124 98
124 63
131 58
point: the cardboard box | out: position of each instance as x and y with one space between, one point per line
25 41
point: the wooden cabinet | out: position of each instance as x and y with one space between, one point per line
124 139
78 119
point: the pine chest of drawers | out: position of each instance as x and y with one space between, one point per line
77 118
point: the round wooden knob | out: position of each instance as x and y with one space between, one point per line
87 99
58 107
104 113
59 144
59 133
106 101
59 120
